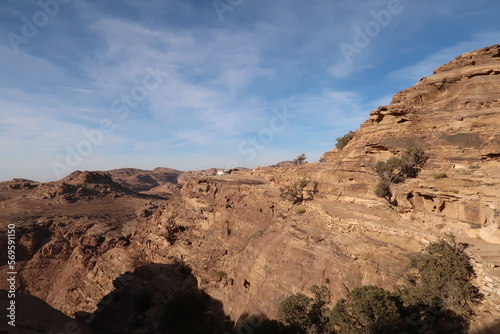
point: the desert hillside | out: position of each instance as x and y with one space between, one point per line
243 248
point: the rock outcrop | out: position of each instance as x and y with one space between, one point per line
144 180
453 116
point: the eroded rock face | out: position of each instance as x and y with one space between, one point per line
247 247
453 113
454 116
250 250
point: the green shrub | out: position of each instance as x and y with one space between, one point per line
367 309
300 211
319 313
344 140
292 194
440 175
295 193
389 170
294 310
252 325
301 159
304 314
395 170
383 190
321 294
442 277
438 290
270 327
412 161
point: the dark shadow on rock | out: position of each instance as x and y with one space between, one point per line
29 239
157 298
155 196
31 315
491 329
259 323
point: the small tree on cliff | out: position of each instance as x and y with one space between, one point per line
294 311
344 140
441 277
367 309
295 192
301 159
383 190
395 170
304 314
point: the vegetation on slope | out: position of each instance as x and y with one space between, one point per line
438 290
300 160
344 140
295 192
396 170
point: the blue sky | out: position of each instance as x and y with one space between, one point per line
97 85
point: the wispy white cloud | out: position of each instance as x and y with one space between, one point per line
208 69
343 69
